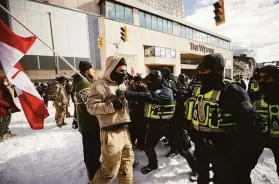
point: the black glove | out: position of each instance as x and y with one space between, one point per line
120 93
119 104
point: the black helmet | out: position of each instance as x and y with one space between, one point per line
182 77
166 72
215 62
154 80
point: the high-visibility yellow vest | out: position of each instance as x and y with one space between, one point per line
155 111
255 86
270 114
205 113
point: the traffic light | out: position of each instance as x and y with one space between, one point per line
219 10
124 34
100 42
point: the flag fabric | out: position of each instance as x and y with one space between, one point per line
12 49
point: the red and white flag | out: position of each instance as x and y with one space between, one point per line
12 49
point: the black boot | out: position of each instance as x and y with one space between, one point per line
147 169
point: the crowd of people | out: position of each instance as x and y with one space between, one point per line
228 124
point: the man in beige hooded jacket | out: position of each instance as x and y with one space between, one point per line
111 108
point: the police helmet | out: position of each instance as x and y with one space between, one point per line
154 79
215 62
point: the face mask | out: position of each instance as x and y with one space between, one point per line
6 83
269 89
117 77
207 78
149 85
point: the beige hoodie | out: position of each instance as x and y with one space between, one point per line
101 96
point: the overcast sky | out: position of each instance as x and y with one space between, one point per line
254 22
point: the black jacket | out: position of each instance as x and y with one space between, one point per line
161 96
137 108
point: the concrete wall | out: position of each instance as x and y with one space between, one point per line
70 28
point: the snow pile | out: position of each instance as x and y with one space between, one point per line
55 155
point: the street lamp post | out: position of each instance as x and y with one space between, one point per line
54 57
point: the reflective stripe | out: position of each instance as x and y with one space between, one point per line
255 86
155 111
205 113
270 114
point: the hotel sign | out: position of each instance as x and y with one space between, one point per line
201 48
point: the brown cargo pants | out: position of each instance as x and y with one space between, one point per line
60 113
117 158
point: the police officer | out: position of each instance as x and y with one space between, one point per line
253 86
159 109
222 125
268 107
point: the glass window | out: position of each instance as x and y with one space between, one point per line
190 33
194 35
168 53
152 51
173 55
165 26
183 34
157 51
163 52
142 19
148 21
154 23
119 12
179 31
205 38
187 30
110 10
129 15
160 24
170 27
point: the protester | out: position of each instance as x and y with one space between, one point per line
88 124
58 95
111 108
7 107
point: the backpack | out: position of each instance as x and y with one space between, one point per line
53 90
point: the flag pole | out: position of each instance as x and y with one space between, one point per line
61 57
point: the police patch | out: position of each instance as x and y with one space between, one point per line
247 105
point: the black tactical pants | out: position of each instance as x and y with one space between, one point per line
92 152
137 129
156 130
213 155
180 142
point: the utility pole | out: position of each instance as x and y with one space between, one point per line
54 57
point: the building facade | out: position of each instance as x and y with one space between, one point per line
171 7
155 39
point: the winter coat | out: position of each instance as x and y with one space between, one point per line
60 92
7 105
101 95
86 122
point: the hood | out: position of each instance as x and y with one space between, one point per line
111 63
